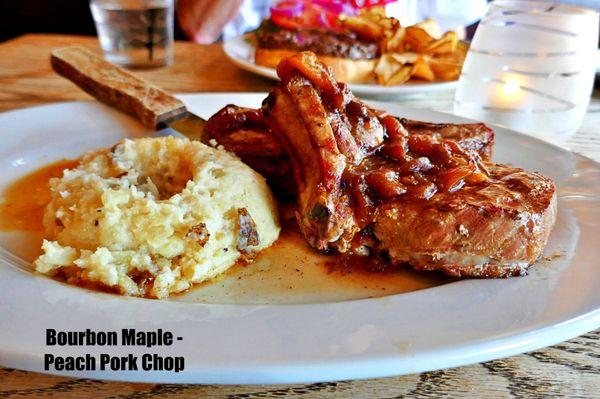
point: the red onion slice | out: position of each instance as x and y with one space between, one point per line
323 20
370 3
288 9
337 7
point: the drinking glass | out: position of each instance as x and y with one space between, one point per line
135 33
530 67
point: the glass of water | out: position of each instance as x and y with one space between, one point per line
135 33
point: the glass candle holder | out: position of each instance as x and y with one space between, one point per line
530 68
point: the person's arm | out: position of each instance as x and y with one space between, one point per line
203 20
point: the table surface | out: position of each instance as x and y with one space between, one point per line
570 369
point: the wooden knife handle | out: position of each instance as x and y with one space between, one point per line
116 87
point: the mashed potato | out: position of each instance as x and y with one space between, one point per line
155 215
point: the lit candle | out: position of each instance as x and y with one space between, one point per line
531 68
511 89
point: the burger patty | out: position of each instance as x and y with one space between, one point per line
320 42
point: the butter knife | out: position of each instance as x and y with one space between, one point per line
149 104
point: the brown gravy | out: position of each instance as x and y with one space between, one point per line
297 276
22 204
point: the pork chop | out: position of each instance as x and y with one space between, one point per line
245 132
366 184
496 229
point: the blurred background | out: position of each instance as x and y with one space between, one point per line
140 33
207 21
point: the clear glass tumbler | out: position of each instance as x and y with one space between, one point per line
135 33
530 67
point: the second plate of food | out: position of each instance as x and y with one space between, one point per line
241 49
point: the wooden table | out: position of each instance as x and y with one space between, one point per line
570 369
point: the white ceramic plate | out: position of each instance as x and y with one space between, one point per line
290 329
240 50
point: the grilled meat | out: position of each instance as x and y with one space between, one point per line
320 149
367 182
494 229
244 132
476 138
319 41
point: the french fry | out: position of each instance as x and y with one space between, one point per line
383 21
462 48
445 70
431 27
417 39
456 57
404 58
444 45
417 51
386 67
391 71
449 76
363 27
395 42
370 25
422 70
401 76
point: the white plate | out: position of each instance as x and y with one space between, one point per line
240 50
258 339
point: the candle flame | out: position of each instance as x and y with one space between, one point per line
511 87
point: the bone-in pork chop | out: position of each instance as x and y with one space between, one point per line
366 183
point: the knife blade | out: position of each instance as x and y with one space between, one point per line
191 126
149 104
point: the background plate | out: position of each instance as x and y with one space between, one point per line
240 51
330 338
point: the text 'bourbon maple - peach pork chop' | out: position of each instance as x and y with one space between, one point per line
365 183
